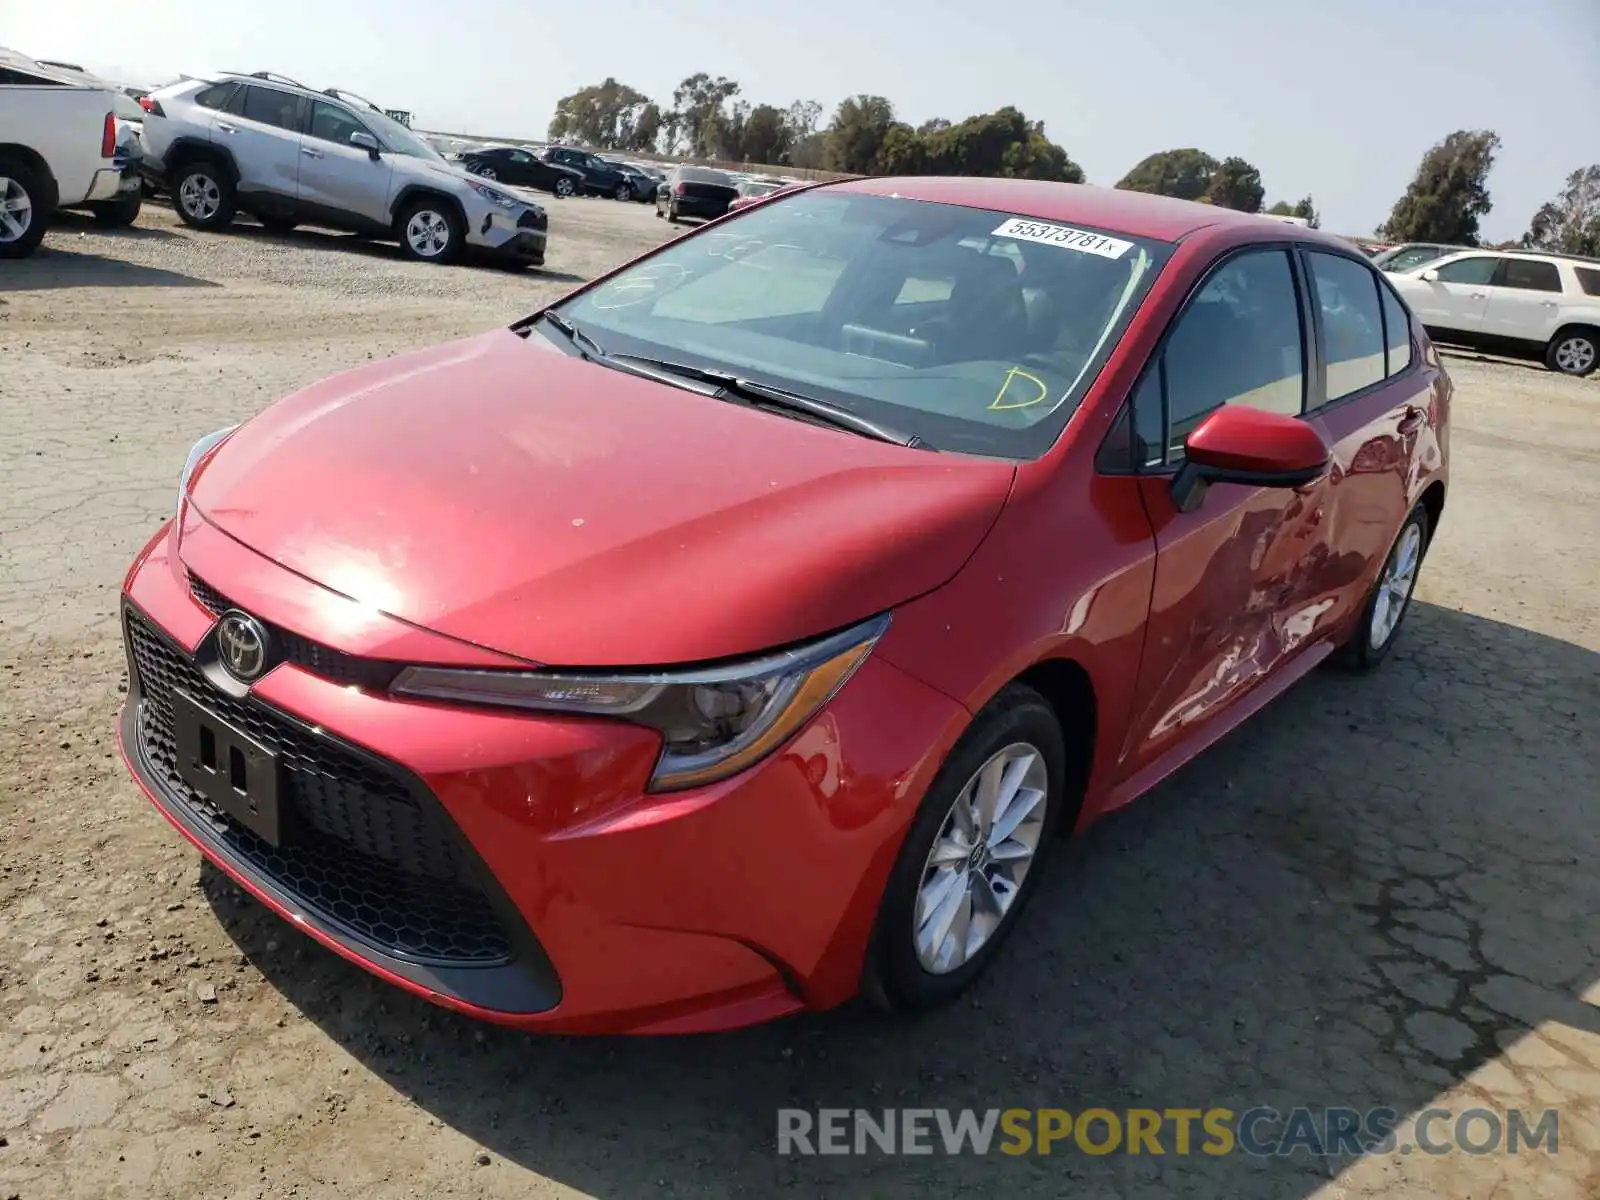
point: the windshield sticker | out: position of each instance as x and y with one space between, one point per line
1064 236
1007 397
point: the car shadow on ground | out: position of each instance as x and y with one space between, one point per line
64 220
350 243
1362 897
49 268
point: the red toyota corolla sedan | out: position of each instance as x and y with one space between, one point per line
735 634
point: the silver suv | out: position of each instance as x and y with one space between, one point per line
289 155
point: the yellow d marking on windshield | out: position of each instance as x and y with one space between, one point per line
1015 373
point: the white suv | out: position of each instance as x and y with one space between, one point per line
289 155
1525 303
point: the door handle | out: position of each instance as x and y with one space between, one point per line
1549 304
1477 296
310 153
1412 420
225 127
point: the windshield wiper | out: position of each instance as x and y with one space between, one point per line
580 339
763 395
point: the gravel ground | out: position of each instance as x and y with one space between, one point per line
1380 892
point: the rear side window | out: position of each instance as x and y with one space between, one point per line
216 96
1238 342
1397 331
271 107
1468 270
1588 280
1529 275
1352 323
21 79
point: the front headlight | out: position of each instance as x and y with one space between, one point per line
197 455
494 197
714 721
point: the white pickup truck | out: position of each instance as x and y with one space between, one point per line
58 149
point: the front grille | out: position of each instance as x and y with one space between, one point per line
359 851
333 665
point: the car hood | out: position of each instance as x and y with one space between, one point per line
504 493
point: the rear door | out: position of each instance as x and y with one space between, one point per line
1457 299
342 182
1371 402
1524 301
1230 602
261 130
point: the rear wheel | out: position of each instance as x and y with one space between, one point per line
22 209
487 172
430 231
1573 352
203 195
119 213
970 861
1390 598
672 212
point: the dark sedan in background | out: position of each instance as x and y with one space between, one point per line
694 192
522 168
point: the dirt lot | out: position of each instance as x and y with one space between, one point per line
1382 892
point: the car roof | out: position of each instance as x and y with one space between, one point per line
1136 213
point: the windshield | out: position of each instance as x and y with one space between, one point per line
1407 258
397 138
976 330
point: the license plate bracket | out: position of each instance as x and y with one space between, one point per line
239 774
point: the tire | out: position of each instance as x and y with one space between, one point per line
659 213
1574 351
487 173
896 977
203 195
26 215
563 188
430 231
1369 643
119 213
279 224
672 213
624 192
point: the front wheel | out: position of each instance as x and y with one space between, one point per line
1574 352
563 188
22 210
119 213
624 192
204 196
970 861
431 232
487 173
1390 598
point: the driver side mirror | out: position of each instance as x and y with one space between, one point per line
1238 444
1431 275
365 141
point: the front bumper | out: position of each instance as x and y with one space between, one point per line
509 865
518 234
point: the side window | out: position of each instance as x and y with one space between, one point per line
1397 330
1148 421
1469 270
1529 274
518 157
272 107
1588 280
217 95
1238 342
23 79
333 124
1352 323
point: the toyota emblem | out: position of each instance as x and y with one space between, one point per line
242 646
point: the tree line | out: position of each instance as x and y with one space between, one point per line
710 118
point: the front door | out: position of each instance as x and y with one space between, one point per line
1228 598
338 180
1457 299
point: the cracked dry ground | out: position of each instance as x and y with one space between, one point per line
1380 892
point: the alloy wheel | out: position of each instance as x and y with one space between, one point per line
428 233
487 173
563 187
1395 586
200 196
983 852
1575 355
16 210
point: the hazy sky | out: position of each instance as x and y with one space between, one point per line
1338 98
